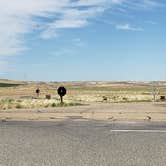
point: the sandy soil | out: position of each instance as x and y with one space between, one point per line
113 112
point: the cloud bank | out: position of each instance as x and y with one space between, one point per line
128 27
21 17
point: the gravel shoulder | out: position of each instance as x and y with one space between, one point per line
104 111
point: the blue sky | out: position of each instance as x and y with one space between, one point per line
81 40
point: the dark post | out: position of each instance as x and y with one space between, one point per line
37 92
61 97
62 92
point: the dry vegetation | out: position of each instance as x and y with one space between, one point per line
15 94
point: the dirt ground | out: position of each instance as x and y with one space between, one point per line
113 112
113 101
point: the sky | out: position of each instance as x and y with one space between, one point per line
83 40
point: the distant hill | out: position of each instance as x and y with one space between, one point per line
10 83
79 84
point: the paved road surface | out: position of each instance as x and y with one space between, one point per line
82 143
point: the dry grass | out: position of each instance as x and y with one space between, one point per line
77 92
6 104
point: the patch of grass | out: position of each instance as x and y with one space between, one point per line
53 105
68 104
30 104
19 106
5 85
65 104
132 101
161 105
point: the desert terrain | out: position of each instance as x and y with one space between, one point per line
84 100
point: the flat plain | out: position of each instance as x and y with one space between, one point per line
84 92
84 100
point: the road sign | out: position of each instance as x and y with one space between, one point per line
62 92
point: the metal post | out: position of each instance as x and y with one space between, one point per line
61 97
154 90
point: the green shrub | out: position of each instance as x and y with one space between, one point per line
53 105
18 106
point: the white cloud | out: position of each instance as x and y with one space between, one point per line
128 27
20 17
151 22
117 1
127 5
151 3
17 18
73 48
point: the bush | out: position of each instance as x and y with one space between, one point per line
53 105
18 106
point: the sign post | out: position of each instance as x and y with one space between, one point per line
154 90
61 92
37 92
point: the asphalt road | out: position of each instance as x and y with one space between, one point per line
82 143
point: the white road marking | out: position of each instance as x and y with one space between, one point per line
139 131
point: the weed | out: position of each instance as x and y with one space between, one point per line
53 105
19 106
